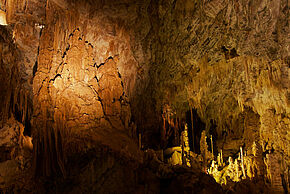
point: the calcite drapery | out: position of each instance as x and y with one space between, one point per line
82 86
219 57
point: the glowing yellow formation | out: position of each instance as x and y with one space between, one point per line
245 166
180 154
3 18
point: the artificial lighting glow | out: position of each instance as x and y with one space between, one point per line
3 18
39 25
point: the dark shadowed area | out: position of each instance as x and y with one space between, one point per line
151 96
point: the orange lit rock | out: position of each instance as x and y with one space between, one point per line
86 78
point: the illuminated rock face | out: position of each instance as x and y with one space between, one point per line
3 18
86 73
89 69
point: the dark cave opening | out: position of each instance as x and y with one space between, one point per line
18 115
27 127
196 129
214 135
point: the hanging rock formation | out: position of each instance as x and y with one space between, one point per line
84 79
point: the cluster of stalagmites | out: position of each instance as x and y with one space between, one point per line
182 155
247 166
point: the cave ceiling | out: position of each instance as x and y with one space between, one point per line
79 72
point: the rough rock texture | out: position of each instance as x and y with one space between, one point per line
10 82
86 70
83 74
230 61
15 157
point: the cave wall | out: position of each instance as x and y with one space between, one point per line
15 146
9 75
83 66
230 61
78 64
85 79
94 70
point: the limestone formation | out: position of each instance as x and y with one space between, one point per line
93 92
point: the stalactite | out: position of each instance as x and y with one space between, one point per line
182 150
59 134
176 129
15 95
179 127
192 127
49 146
221 155
211 142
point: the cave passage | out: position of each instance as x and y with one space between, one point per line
198 127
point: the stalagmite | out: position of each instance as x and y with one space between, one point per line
254 149
78 76
206 155
176 132
242 160
268 170
219 159
237 172
222 160
182 150
192 127
163 131
249 167
211 146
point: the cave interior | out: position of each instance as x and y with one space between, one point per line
131 96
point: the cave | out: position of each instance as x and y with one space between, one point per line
131 96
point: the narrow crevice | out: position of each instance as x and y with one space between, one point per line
101 64
70 35
90 44
121 99
41 85
35 67
98 66
119 75
57 69
229 53
65 52
53 79
96 78
102 105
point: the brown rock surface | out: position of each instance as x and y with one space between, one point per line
80 75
